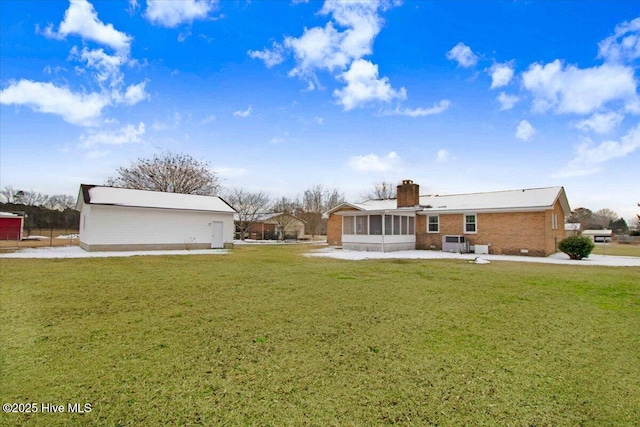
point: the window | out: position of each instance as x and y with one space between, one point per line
433 224
396 224
404 220
375 224
362 225
554 221
412 225
470 224
388 224
347 225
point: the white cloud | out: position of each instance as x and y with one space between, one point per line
129 134
173 13
136 93
318 120
331 49
507 101
339 47
270 57
525 131
107 67
317 48
373 162
463 55
589 158
438 108
601 122
501 74
76 108
364 86
243 113
623 45
573 90
81 19
443 156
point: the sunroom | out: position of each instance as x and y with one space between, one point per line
381 231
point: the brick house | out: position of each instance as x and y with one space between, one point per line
527 222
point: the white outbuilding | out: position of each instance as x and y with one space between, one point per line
115 219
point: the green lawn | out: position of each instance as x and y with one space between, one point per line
617 249
265 336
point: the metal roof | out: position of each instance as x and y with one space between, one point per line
101 195
530 199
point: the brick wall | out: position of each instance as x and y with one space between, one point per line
508 233
334 227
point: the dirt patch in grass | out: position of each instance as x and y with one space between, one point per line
265 336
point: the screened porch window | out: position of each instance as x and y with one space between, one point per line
347 225
362 225
375 225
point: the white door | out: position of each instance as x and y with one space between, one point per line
216 238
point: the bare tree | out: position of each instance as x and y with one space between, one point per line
169 172
249 206
605 217
583 216
60 202
30 198
8 193
381 190
285 223
287 205
285 211
315 201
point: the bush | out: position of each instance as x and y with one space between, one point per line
577 247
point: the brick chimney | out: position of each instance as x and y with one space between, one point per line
408 194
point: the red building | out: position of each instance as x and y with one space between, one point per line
10 226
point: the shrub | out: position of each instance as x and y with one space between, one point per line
577 247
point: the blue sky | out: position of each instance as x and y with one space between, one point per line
460 96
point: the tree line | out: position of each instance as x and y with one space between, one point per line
182 173
604 219
41 211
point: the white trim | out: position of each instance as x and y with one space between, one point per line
464 222
438 224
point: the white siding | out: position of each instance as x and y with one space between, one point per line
118 225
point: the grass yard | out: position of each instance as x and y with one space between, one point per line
617 249
265 336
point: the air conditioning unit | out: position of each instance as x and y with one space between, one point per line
456 244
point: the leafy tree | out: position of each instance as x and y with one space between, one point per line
619 226
577 247
249 206
169 172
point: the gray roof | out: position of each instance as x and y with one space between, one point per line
531 199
